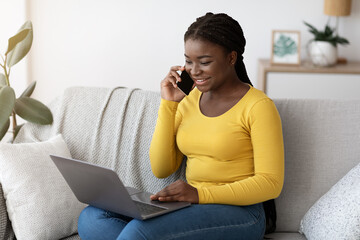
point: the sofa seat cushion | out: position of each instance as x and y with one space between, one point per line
73 237
285 236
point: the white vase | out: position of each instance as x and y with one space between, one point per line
323 53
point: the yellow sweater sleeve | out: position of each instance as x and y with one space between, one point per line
165 157
266 183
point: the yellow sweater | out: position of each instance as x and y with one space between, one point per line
236 158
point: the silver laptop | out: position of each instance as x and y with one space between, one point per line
101 187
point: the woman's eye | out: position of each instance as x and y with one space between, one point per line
205 63
188 62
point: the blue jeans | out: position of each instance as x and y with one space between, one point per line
199 221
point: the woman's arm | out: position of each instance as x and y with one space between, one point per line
165 157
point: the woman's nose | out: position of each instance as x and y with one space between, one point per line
195 70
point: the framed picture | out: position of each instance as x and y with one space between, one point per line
285 47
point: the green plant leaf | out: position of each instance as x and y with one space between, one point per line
341 40
328 35
29 90
7 102
333 42
328 31
14 40
22 45
313 30
33 111
2 80
4 129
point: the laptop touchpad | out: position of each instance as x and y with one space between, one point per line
132 190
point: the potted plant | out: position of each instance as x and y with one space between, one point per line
323 48
24 106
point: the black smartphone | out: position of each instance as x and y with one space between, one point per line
186 83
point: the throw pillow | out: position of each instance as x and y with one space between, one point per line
39 202
336 215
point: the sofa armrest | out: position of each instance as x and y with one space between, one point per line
6 231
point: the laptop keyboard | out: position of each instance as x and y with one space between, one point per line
147 209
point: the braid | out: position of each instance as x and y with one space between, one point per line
223 30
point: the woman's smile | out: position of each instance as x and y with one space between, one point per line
201 81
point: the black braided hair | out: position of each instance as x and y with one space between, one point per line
222 30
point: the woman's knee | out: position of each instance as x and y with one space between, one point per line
134 230
88 221
89 215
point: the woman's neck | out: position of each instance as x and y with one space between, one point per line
231 90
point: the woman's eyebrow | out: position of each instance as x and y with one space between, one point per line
200 57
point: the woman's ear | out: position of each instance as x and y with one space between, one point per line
233 57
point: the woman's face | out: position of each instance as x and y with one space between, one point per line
209 65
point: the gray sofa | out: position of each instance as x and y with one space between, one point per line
113 127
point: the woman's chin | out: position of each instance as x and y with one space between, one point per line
202 89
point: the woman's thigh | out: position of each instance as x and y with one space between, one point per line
201 221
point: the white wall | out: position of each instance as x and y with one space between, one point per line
12 17
134 43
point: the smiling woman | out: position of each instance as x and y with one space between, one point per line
230 133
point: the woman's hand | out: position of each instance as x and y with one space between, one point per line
169 90
178 191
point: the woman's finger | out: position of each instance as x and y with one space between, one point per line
172 79
176 68
175 75
170 190
167 192
174 198
175 188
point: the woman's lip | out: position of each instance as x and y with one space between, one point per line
201 81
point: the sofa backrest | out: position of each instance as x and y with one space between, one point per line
321 139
